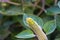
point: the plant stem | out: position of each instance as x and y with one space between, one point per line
55 2
35 4
43 5
13 3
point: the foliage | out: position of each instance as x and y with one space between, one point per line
13 14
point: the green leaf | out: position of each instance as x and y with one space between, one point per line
47 18
49 27
53 10
59 4
37 19
25 34
12 11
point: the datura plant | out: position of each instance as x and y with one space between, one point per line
37 29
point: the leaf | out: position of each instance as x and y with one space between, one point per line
47 18
59 4
25 34
49 27
37 19
12 11
53 10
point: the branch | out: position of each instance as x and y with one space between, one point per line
43 5
13 3
22 3
55 2
35 4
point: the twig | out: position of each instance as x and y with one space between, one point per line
37 7
43 5
55 2
22 3
13 3
47 4
35 4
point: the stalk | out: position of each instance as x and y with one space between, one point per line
13 3
37 29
